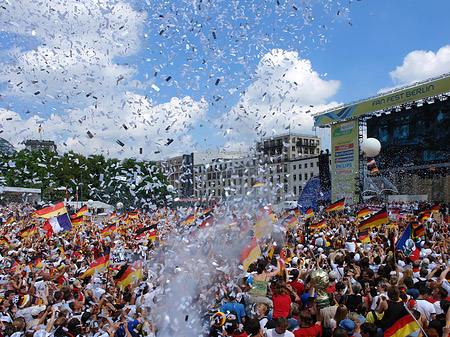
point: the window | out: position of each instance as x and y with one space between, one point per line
295 167
295 190
300 177
295 177
306 176
293 148
311 165
311 174
300 166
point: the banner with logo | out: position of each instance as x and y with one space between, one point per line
344 161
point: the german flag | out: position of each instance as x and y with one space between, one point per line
296 212
309 213
108 230
424 216
206 211
364 235
128 274
321 224
33 231
435 209
189 219
377 219
290 221
337 206
38 263
77 221
11 219
24 233
51 211
250 253
133 215
365 211
98 265
318 225
15 266
403 325
417 230
80 212
207 221
143 231
4 241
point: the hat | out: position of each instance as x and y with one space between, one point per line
37 310
332 275
348 325
357 257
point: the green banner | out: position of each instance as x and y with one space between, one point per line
344 161
386 101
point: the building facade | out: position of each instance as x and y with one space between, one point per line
283 163
36 145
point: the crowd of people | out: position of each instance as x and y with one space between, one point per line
181 273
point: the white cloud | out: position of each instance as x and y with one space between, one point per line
285 92
420 64
138 124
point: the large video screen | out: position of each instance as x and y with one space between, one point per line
412 137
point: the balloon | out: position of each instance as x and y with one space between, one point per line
371 147
119 205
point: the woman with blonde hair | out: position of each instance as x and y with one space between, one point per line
341 314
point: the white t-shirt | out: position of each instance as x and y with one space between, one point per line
426 308
273 333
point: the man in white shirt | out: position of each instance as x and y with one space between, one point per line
280 329
423 306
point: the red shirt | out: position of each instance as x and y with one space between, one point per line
315 330
298 287
281 306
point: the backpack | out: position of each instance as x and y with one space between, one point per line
376 320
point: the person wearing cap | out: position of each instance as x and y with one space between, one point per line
332 276
348 325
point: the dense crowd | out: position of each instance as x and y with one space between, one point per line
187 276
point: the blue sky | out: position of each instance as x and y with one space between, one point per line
207 74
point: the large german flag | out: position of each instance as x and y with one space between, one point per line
51 211
98 265
403 326
250 253
377 219
337 206
128 274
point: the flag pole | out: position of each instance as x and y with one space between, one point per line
411 314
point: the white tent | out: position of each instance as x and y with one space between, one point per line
96 205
